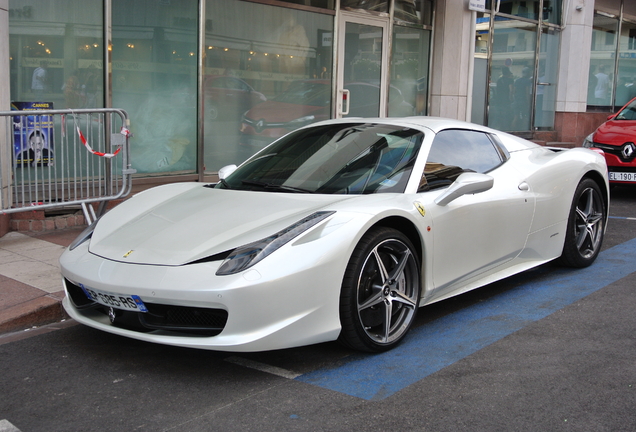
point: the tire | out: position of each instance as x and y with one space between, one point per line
380 291
586 226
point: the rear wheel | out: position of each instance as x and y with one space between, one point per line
211 111
380 291
586 226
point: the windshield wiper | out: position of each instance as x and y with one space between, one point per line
225 184
274 187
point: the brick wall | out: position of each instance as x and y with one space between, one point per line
574 127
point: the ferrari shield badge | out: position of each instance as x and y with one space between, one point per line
420 208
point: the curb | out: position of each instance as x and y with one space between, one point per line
33 313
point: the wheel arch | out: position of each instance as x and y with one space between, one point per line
406 227
600 180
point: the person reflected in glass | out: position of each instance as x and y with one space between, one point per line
502 100
39 81
601 91
522 100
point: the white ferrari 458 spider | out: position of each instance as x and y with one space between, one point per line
336 231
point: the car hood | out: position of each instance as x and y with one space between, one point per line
282 112
177 224
616 132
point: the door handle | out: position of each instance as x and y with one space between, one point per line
344 100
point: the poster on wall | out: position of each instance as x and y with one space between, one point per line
33 135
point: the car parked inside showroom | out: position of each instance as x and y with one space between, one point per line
339 230
617 139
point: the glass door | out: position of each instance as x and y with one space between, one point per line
546 89
362 66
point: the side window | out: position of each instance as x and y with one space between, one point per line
455 151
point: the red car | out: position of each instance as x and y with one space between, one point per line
227 97
617 138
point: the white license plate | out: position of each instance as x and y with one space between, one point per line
622 176
117 301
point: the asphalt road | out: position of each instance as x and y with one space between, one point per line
573 369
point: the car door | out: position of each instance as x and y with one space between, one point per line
474 234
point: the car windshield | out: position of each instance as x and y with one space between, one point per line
627 113
333 159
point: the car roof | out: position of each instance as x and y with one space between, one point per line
437 124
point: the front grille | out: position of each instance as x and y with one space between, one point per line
182 319
621 169
616 151
77 295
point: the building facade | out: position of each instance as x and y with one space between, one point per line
209 82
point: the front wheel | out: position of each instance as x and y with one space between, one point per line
586 226
380 291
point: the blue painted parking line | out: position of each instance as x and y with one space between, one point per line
621 217
440 343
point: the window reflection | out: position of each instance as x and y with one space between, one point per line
154 70
333 159
56 57
601 77
279 68
409 72
512 75
405 11
626 84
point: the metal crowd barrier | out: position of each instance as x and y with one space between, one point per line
64 158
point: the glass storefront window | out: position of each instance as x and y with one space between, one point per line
323 4
546 83
601 77
525 9
626 83
480 69
56 56
154 78
512 75
552 11
409 72
408 11
267 72
549 12
405 11
369 5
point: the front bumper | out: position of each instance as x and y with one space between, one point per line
279 303
621 165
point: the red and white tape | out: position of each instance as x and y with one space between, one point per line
124 131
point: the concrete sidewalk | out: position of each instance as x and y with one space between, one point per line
31 289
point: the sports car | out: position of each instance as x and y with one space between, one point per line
617 138
339 230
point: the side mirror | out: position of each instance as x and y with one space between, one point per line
466 183
611 116
226 171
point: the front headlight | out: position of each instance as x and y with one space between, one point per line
589 141
248 255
